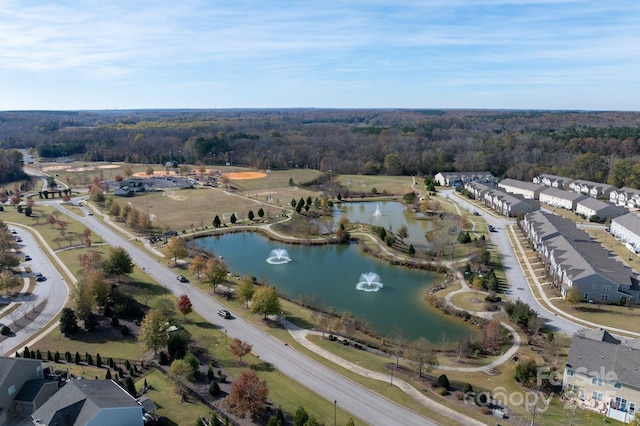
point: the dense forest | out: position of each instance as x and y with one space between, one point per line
599 146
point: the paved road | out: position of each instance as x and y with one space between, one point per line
54 290
369 406
519 288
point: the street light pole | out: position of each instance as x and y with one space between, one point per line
334 412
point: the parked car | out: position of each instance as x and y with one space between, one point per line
224 313
40 277
27 258
492 229
182 279
18 240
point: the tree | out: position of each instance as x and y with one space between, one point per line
398 340
301 417
179 370
118 263
420 352
233 219
266 301
68 322
197 265
8 280
216 222
261 213
153 330
130 387
573 295
248 394
184 305
240 348
347 323
214 272
175 249
246 289
402 232
250 215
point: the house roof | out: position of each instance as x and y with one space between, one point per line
30 389
7 364
80 400
629 221
528 186
610 361
562 194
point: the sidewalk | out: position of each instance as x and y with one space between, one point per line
300 335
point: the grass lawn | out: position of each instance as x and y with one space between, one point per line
168 402
622 317
467 301
391 184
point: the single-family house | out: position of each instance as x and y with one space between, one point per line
460 178
561 199
528 190
90 402
626 228
602 373
23 387
552 181
591 207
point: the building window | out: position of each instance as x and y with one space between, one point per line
606 288
620 404
604 297
594 286
11 390
581 395
586 296
598 396
617 385
597 381
632 408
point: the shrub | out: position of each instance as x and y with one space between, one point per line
467 388
210 373
5 331
163 359
442 391
124 330
115 321
443 381
345 342
214 389
223 378
481 398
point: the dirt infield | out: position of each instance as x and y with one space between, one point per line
245 175
155 173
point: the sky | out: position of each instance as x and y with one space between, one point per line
493 54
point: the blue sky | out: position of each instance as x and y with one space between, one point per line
524 54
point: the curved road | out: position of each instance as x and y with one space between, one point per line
369 406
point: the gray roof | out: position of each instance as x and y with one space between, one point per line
529 186
30 389
80 400
7 364
618 362
565 195
629 221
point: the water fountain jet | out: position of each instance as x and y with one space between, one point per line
369 282
278 257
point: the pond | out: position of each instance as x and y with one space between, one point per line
342 277
389 214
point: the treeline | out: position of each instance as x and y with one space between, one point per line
11 166
516 144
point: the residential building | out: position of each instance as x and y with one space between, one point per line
528 190
22 387
460 178
592 189
553 181
628 197
90 402
626 228
602 373
590 207
573 258
561 199
499 200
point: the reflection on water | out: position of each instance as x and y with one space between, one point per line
330 273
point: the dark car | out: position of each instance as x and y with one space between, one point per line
40 277
182 279
224 313
27 258
492 229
